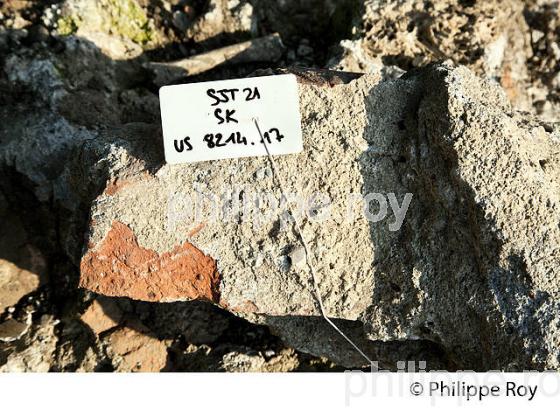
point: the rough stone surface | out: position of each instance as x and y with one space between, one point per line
490 37
543 18
223 18
15 283
468 248
469 281
137 352
240 362
38 353
125 19
103 314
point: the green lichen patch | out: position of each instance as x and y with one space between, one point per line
128 19
66 26
125 18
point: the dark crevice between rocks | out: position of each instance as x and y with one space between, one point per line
322 22
311 332
58 294
213 330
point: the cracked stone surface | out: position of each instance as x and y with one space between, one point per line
478 242
469 281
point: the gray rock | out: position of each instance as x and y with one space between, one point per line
15 283
12 330
37 353
469 281
180 20
224 17
490 37
472 270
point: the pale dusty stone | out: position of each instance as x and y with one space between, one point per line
38 353
490 37
15 283
484 215
471 276
137 352
284 361
124 19
220 20
103 314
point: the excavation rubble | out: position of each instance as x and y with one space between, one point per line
453 258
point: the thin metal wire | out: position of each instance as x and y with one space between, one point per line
307 252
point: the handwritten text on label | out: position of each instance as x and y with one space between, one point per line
214 120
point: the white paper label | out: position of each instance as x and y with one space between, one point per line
215 119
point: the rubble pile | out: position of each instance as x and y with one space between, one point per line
451 109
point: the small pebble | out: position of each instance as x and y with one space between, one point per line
180 20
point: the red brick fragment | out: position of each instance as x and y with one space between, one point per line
120 267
